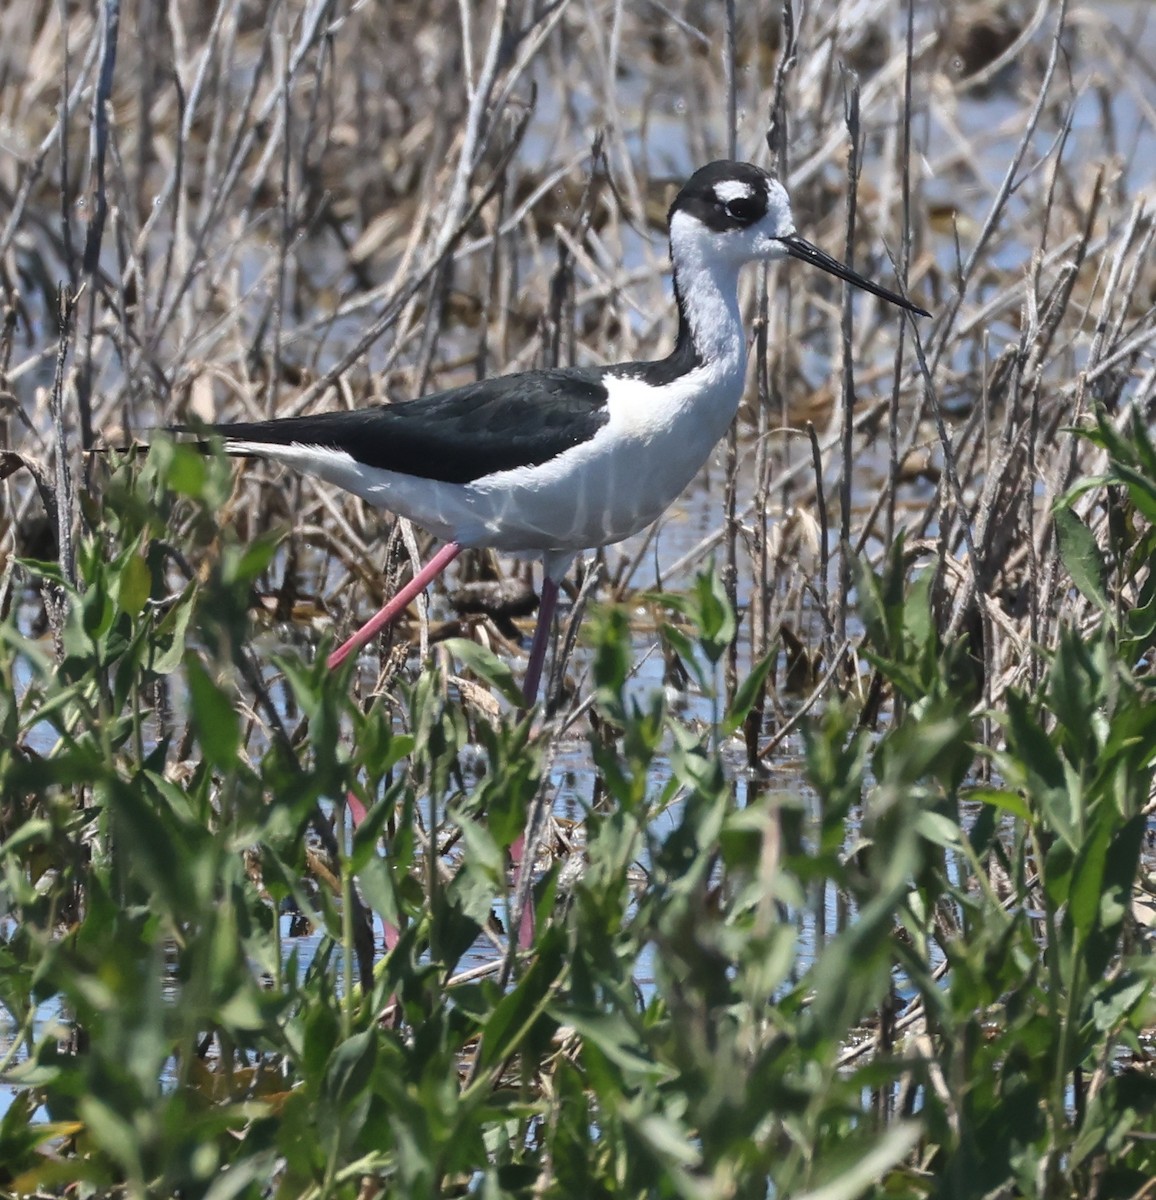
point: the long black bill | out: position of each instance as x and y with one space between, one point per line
804 251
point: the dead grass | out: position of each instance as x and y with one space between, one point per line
265 210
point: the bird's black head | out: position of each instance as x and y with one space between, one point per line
725 196
730 213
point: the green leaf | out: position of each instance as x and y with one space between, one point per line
112 1133
1115 999
482 872
622 1044
1141 490
213 714
1005 801
868 1169
609 631
1141 620
158 843
369 830
1117 887
747 693
487 666
1088 879
49 571
133 585
715 616
938 829
520 1009
254 559
30 833
187 469
350 1069
1032 745
377 887
97 611
683 646
1082 557
169 641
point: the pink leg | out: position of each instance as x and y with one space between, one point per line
420 581
541 639
529 695
416 585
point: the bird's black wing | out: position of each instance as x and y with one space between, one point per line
457 435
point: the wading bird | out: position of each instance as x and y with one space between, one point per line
553 462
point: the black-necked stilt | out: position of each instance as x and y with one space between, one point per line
557 461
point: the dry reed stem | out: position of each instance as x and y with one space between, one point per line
343 206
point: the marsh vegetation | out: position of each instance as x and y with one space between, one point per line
841 802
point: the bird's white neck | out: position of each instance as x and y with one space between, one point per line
710 326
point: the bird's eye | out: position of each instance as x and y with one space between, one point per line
743 208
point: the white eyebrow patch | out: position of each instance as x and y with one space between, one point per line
733 189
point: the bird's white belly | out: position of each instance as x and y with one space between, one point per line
588 496
593 494
586 500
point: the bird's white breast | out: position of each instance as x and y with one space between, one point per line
593 494
622 479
